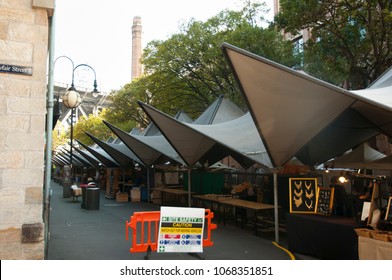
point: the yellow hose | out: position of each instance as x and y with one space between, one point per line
292 257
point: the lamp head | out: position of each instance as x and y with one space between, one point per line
95 92
71 98
342 179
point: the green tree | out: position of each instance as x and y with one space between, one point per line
124 111
93 125
188 71
351 39
59 136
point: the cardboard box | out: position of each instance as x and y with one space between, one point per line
156 197
122 197
135 195
77 192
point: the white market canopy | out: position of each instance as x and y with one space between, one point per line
119 152
150 149
101 155
210 143
89 157
298 115
153 147
384 163
360 158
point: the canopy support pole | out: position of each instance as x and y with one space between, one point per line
123 177
276 210
148 184
189 186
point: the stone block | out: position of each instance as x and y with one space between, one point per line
3 31
11 196
34 159
21 32
2 138
17 141
17 52
19 87
32 213
23 105
15 123
11 159
41 18
48 5
14 12
33 251
11 215
38 89
10 235
5 84
32 233
16 178
33 195
11 251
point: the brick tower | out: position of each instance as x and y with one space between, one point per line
136 47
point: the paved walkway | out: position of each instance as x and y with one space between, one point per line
79 234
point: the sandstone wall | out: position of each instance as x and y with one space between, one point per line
24 29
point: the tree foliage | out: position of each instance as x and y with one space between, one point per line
188 71
351 39
93 125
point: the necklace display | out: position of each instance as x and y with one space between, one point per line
297 201
298 193
309 206
309 195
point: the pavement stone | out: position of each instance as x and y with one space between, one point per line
79 234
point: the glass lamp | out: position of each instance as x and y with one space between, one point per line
71 98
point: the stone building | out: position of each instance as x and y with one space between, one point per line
24 37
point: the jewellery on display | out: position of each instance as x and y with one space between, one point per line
298 184
298 201
298 194
309 206
309 195
308 186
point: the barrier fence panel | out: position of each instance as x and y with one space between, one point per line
145 229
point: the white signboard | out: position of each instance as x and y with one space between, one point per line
181 230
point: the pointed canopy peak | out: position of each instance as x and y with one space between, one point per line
183 117
385 80
221 110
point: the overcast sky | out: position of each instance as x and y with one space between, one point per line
99 33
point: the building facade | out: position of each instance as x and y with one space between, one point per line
24 36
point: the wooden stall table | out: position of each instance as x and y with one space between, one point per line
256 207
211 199
178 193
372 249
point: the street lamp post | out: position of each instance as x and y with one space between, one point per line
71 100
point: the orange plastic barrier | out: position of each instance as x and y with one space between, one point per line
147 225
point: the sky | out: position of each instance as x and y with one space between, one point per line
99 33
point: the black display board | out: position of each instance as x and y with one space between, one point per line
324 200
303 195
